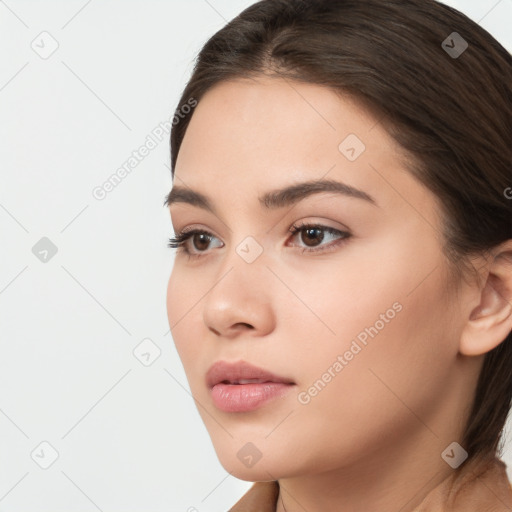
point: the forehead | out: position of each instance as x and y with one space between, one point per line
276 112
248 136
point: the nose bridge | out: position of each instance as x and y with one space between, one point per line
247 257
241 292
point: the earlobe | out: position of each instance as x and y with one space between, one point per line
490 322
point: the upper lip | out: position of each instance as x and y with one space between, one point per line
232 372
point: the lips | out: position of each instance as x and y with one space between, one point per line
240 373
241 387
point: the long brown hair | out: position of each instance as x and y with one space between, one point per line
449 106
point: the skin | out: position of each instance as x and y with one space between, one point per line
385 419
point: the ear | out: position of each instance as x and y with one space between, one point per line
490 322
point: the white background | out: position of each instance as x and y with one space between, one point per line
129 437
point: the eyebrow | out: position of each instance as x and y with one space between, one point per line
275 198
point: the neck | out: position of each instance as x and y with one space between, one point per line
384 482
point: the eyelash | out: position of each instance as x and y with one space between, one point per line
179 241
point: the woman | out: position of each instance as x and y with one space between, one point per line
341 298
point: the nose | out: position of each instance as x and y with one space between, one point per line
240 299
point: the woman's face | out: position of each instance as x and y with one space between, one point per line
363 327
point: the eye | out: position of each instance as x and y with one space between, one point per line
198 236
313 236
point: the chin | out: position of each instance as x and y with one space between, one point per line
258 473
259 468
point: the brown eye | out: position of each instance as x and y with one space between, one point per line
192 243
312 236
200 241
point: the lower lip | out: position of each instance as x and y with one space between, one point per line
246 397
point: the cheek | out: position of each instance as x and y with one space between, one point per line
390 381
183 297
397 339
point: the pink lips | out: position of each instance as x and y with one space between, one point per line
241 387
